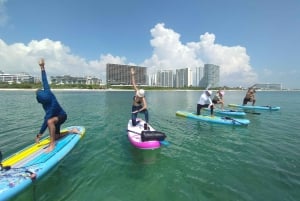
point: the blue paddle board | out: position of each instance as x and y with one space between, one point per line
19 170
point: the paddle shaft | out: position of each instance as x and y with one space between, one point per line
258 113
232 119
134 132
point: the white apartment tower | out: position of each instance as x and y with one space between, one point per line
184 77
164 78
199 76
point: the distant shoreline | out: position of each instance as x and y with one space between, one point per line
16 89
103 90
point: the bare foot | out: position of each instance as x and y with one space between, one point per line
50 148
74 130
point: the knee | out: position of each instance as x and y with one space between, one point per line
51 121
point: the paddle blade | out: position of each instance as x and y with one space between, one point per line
208 86
164 142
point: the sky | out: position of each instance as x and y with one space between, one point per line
254 41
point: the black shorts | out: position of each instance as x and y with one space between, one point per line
61 120
246 100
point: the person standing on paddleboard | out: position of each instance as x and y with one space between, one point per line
139 104
55 115
250 96
205 101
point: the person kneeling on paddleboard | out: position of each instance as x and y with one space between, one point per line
250 96
55 115
219 98
139 104
205 101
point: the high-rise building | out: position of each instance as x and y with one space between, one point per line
164 78
211 76
199 76
117 74
183 77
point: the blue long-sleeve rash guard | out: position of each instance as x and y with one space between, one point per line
49 102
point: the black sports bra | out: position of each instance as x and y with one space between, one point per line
138 102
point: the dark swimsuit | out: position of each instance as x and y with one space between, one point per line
138 107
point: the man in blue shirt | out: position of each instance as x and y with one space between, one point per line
55 115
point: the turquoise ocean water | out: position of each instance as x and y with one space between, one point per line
203 161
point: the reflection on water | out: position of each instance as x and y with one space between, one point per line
146 157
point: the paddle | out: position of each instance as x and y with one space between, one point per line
268 106
208 86
232 119
258 113
162 142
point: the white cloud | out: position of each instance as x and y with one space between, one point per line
59 59
168 53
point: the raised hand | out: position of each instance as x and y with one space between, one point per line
132 71
42 63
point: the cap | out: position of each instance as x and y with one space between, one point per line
140 93
209 92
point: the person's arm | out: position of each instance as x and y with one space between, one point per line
143 108
43 127
144 105
133 79
210 102
44 75
49 113
42 130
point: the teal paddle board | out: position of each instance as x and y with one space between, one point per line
227 112
214 119
255 107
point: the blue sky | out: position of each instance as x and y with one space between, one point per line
252 41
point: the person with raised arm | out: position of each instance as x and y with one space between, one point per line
55 115
139 104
